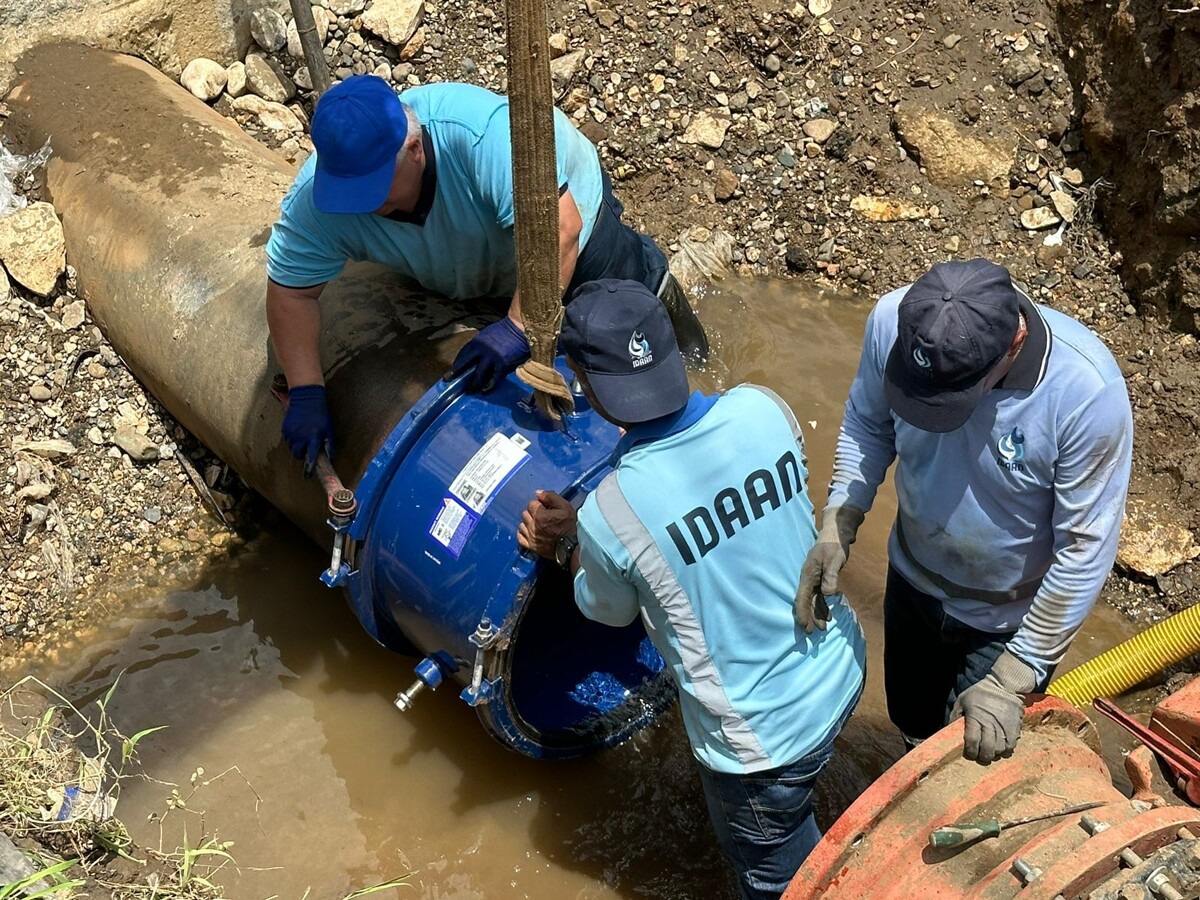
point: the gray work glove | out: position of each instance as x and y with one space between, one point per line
819 577
994 709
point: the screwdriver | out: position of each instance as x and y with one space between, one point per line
968 832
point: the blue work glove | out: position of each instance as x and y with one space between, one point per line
307 428
497 350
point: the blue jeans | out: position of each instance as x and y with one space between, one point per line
930 657
764 821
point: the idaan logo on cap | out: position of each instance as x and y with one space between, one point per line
639 350
921 358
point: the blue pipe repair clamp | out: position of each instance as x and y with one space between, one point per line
435 557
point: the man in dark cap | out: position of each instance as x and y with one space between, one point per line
702 530
1013 431
422 183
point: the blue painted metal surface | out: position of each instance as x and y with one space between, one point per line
435 553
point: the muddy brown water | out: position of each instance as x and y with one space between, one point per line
264 675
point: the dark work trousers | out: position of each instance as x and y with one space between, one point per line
615 250
930 657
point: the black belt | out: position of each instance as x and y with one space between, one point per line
1025 591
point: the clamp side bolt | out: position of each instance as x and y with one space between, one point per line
1160 885
1028 872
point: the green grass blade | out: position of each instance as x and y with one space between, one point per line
18 888
402 881
130 744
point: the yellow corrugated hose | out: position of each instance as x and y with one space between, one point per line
1117 670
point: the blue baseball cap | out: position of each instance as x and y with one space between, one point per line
956 322
358 128
620 335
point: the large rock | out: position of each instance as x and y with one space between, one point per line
268 29
396 21
1020 67
952 156
1039 217
345 7
269 115
886 209
563 69
166 33
820 130
321 18
15 867
204 78
706 130
235 79
267 80
138 447
1154 540
32 247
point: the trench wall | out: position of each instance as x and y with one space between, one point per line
1136 68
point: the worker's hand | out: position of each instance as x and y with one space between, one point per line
819 577
492 354
307 427
544 521
994 709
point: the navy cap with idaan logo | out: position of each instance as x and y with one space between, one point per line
956 323
620 335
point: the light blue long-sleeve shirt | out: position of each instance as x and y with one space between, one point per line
460 241
1011 520
702 530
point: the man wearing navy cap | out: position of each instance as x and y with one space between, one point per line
422 183
1013 431
702 530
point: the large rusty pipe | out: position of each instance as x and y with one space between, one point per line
167 207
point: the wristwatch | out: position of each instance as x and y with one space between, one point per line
564 549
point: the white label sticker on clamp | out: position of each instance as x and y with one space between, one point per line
481 479
453 525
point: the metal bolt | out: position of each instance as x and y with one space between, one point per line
1130 859
404 699
1028 872
1160 885
1092 825
484 632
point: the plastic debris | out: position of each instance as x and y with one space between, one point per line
600 691
648 656
84 800
14 174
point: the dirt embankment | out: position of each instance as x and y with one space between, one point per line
1137 65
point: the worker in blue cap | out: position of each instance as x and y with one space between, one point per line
1013 433
422 183
702 530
